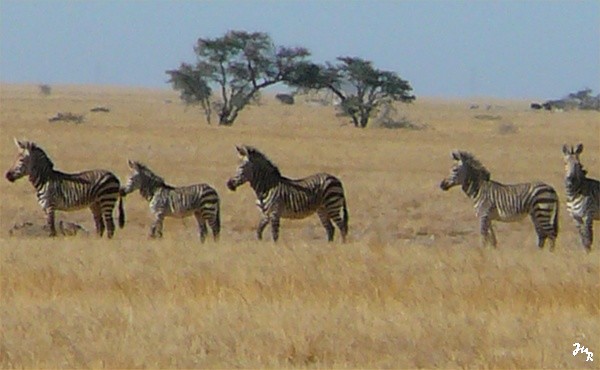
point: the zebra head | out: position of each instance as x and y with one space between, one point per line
25 161
465 170
142 178
134 181
244 171
254 168
573 168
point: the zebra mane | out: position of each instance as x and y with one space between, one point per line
144 170
39 154
474 165
261 161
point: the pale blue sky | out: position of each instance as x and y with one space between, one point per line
506 49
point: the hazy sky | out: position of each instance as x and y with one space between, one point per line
520 49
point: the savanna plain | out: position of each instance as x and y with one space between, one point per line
411 288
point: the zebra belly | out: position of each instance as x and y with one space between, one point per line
581 207
502 216
180 214
297 215
61 204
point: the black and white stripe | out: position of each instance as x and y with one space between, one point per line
58 191
200 200
280 197
583 194
494 201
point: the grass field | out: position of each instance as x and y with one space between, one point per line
411 288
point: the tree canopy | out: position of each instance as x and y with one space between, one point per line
361 87
237 66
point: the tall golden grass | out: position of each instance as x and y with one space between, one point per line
411 288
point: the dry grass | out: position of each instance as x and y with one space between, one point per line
412 287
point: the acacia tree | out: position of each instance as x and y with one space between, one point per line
361 87
238 65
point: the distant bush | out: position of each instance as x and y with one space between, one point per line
67 116
45 90
582 99
385 119
507 128
488 117
285 98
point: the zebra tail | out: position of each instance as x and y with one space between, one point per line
345 211
555 220
121 213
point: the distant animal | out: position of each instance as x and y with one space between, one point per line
506 203
280 197
583 194
536 106
96 189
200 200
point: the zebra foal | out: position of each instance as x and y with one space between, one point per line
279 197
96 189
494 201
200 200
583 194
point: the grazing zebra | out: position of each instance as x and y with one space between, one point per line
201 200
583 195
96 189
280 197
506 203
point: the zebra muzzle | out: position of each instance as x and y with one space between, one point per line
10 177
231 185
445 185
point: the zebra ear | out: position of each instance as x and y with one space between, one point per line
565 149
456 155
579 148
132 164
20 144
242 150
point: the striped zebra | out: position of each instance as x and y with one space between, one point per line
506 203
280 197
201 200
58 191
583 195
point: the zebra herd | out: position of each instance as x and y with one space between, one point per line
280 197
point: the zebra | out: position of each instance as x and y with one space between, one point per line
583 194
58 191
506 203
280 197
201 200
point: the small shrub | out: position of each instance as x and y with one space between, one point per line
67 116
507 128
402 122
45 90
488 117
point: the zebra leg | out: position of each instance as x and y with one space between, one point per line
261 227
157 225
487 233
95 207
342 223
587 235
50 221
215 224
108 220
492 235
201 226
275 227
324 217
